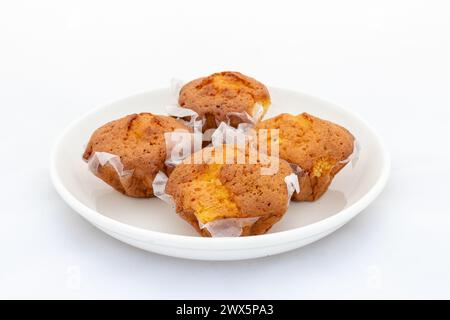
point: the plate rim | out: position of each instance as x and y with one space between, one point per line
223 243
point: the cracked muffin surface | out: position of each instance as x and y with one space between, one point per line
319 147
219 95
216 189
138 140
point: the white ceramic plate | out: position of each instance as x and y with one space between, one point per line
152 225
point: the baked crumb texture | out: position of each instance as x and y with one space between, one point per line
219 95
317 146
138 139
211 191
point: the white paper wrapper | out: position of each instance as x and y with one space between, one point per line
159 188
292 185
180 144
226 134
100 159
175 87
180 113
230 227
354 157
258 112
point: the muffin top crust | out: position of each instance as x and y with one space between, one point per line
223 93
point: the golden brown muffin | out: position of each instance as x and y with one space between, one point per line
317 146
138 139
214 190
219 95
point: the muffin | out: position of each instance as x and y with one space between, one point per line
225 96
319 147
127 153
216 195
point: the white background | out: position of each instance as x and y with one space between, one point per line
389 61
